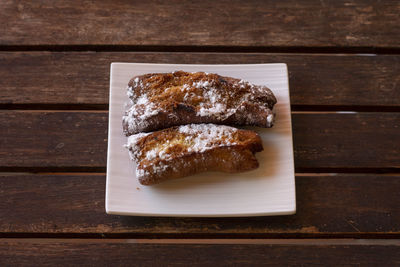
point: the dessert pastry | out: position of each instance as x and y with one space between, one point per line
188 149
162 100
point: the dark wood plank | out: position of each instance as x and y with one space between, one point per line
65 139
83 77
359 140
72 205
53 139
222 23
103 253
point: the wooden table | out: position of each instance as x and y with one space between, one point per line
344 64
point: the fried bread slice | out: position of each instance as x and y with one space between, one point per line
188 149
162 100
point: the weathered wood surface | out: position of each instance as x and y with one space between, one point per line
53 139
290 23
78 139
334 140
315 80
330 206
72 205
103 253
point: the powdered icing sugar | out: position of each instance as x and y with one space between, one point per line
270 118
198 138
137 82
214 103
201 84
217 109
203 137
137 115
129 92
217 101
133 141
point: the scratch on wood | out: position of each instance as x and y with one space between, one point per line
351 223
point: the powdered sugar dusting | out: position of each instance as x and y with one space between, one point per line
203 137
213 97
138 114
216 99
139 172
160 167
201 84
215 103
133 141
198 138
270 118
129 91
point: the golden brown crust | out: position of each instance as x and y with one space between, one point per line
224 159
162 100
185 150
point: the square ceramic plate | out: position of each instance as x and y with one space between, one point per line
268 190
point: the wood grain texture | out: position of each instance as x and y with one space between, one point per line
361 140
347 205
199 23
83 77
103 253
55 139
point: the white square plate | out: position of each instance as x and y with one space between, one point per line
268 190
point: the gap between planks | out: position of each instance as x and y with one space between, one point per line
202 236
363 50
305 242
